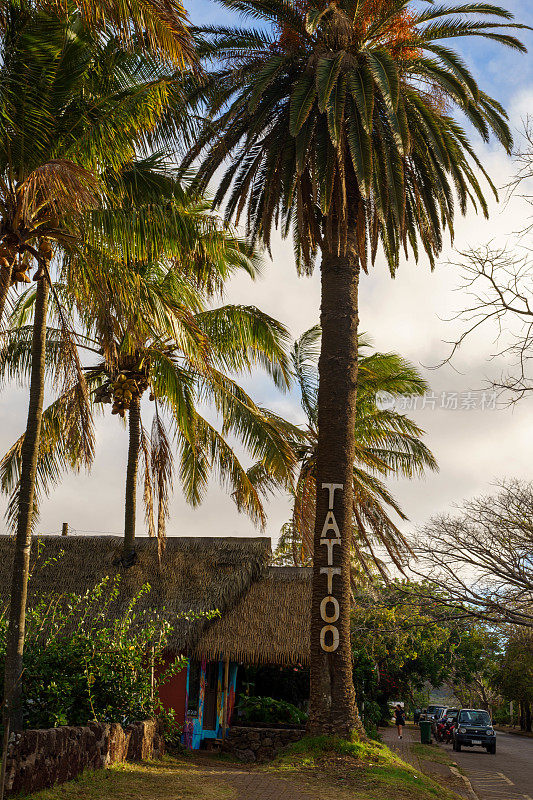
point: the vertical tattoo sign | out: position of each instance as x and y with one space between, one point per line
329 607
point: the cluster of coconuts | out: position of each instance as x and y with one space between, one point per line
20 270
124 390
7 256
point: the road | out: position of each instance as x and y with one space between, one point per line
507 775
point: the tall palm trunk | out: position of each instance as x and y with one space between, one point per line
131 478
21 563
332 705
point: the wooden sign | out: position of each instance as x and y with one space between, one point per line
329 607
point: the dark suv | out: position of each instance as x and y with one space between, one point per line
474 728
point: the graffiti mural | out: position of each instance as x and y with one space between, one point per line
188 731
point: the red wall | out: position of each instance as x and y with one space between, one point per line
173 694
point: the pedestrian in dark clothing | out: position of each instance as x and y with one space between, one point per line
399 719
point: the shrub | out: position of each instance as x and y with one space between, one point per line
266 709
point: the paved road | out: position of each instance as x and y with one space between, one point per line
507 775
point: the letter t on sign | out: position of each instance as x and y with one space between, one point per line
331 489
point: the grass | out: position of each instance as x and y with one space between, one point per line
431 753
169 779
322 767
353 770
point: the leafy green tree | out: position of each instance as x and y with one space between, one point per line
402 640
475 663
388 445
514 677
82 662
336 120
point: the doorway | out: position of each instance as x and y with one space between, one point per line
209 721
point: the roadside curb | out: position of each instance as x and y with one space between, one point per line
473 794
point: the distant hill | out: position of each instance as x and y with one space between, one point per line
443 696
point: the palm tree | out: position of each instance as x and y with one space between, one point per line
71 120
388 444
162 27
73 108
148 326
173 347
334 119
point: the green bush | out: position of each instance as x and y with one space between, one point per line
371 714
266 709
502 715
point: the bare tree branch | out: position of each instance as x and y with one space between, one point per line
483 556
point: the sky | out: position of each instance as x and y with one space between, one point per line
474 444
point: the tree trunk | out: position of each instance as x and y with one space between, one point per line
528 719
21 563
131 478
333 710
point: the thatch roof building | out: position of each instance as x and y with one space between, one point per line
264 611
269 624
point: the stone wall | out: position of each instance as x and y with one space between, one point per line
38 759
259 744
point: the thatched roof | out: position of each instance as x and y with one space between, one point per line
269 624
198 574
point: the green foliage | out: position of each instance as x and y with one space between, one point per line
171 728
403 638
282 683
341 117
514 678
396 642
82 664
371 714
266 709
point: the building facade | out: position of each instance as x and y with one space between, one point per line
227 606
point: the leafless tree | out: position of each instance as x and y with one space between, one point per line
498 283
482 557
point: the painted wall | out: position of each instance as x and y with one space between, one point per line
175 694
193 730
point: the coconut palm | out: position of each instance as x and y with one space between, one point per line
149 327
177 352
71 115
388 445
163 27
334 120
73 109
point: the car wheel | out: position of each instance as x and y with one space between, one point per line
492 748
458 747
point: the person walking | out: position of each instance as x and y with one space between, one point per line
399 719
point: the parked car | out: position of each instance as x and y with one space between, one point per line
474 729
431 710
446 724
437 715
